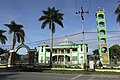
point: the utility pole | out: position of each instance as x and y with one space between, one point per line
82 17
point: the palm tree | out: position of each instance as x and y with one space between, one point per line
18 32
117 12
3 38
50 17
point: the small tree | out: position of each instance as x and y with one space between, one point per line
115 53
3 38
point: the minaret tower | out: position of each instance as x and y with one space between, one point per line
102 37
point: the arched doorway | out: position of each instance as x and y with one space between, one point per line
30 55
21 57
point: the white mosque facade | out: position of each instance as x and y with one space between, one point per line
66 53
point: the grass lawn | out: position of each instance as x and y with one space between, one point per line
81 72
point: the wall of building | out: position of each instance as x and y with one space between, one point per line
64 55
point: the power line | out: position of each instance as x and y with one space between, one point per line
115 31
71 35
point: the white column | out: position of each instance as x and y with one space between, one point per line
57 54
70 56
64 57
39 56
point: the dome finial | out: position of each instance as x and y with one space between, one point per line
66 41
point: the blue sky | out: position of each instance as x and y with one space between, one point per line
27 13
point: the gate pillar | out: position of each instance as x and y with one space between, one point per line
11 59
31 56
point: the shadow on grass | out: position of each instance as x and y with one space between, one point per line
34 69
26 69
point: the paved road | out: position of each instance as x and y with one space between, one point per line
52 76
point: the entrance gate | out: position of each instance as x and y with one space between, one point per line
31 55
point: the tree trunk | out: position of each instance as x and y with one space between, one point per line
51 43
14 41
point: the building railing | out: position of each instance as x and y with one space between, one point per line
3 62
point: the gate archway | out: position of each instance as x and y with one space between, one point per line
31 55
22 46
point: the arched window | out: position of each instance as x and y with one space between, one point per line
100 16
102 32
103 41
101 24
104 49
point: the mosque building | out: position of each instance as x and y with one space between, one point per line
66 53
